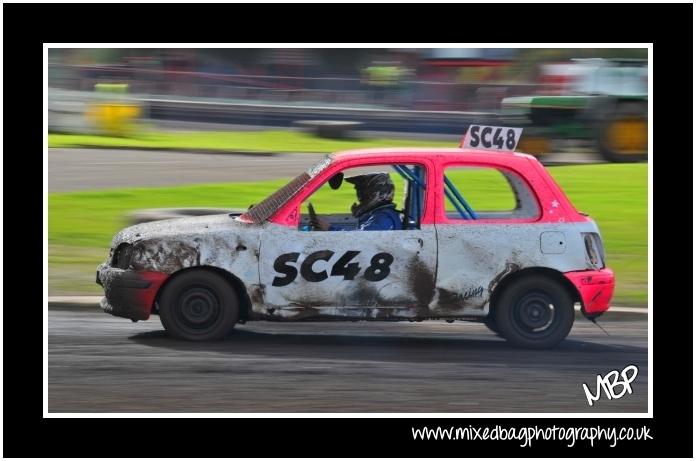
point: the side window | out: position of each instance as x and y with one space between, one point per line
379 197
473 193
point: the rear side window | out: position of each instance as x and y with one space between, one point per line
473 193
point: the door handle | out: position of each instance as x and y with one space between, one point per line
413 243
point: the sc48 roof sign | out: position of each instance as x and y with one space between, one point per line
500 138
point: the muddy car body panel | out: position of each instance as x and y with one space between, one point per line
301 271
448 267
170 246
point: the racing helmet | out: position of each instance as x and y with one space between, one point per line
373 190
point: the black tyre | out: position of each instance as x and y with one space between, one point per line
623 134
534 312
198 305
491 324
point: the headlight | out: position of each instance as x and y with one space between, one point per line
122 256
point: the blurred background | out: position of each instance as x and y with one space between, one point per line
177 131
594 98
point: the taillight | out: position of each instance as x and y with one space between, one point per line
594 250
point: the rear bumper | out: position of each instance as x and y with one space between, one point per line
129 294
596 289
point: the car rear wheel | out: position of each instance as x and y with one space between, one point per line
534 312
199 305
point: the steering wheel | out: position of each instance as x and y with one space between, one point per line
312 217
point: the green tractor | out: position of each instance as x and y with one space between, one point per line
604 102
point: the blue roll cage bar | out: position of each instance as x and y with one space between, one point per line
451 192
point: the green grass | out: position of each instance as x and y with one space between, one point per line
233 141
81 224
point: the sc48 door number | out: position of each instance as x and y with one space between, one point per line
492 137
377 270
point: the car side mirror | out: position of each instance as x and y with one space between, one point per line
336 181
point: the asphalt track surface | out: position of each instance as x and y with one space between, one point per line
99 363
85 169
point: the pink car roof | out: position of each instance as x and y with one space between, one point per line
543 185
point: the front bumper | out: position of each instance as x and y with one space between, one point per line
130 294
596 289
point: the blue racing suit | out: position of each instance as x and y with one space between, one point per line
383 217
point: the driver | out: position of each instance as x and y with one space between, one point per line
375 209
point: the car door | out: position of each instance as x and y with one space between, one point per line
347 268
483 239
349 272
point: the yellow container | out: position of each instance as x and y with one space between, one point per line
114 115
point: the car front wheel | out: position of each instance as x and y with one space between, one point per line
198 305
534 312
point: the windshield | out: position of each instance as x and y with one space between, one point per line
264 210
